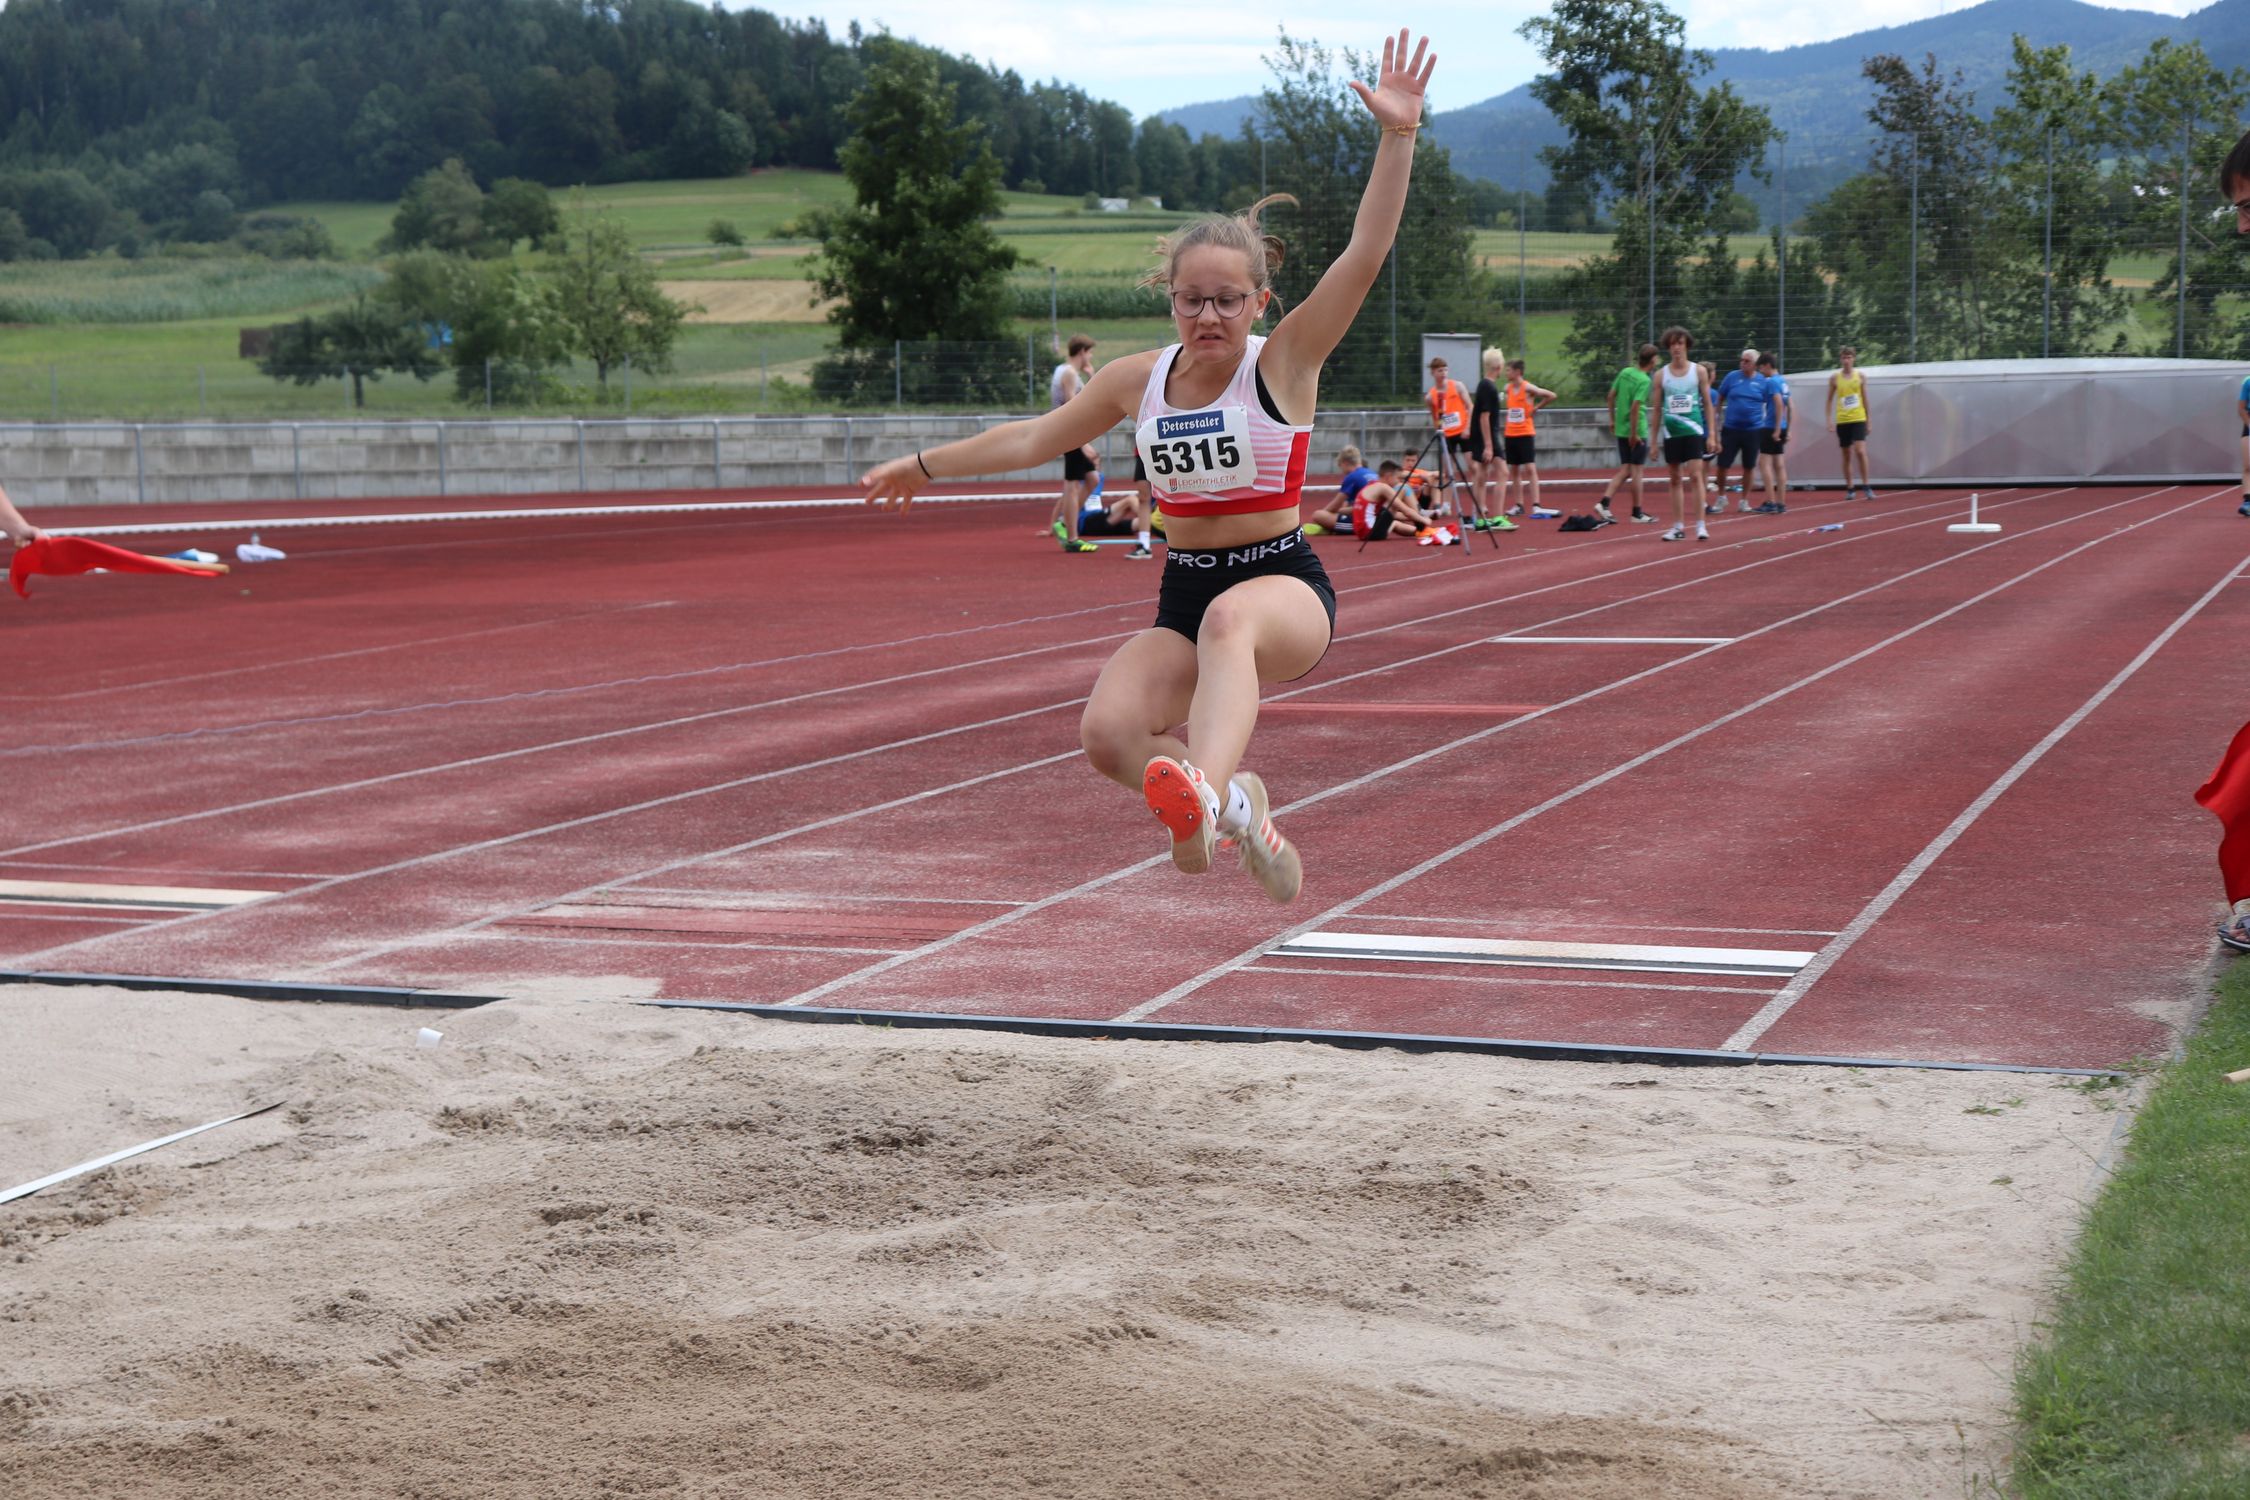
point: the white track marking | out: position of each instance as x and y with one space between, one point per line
109 893
1218 971
503 840
819 900
1535 953
623 882
523 513
1609 640
1500 977
941 944
1874 911
1547 924
331 789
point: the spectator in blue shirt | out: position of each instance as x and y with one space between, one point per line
1775 464
1746 418
1336 515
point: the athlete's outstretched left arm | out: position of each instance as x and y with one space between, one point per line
1314 327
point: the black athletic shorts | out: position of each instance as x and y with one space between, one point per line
1458 447
1745 443
1848 433
1076 465
1140 469
1777 440
1521 450
1194 576
1684 448
1632 450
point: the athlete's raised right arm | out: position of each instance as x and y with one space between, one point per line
1112 396
1311 330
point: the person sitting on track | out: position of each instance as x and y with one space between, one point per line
1224 419
1385 507
1336 515
19 532
1115 513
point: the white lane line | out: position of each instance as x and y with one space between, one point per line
523 513
503 840
1609 640
1758 1025
56 864
1510 980
624 882
676 945
1531 953
939 945
831 901
256 804
1218 971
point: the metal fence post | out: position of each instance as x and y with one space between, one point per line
718 473
297 456
347 390
202 401
140 468
54 394
761 380
1030 373
1781 262
898 372
2047 294
441 459
628 385
2187 134
581 453
1914 251
1523 304
488 382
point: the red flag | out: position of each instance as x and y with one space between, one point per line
58 555
2227 794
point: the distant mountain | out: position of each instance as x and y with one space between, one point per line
1815 92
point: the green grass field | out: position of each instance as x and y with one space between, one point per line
2140 1384
154 339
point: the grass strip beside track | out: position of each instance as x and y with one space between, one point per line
2142 1384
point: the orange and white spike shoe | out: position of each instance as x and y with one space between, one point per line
1271 859
1175 793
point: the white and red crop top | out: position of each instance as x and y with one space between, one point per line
1237 454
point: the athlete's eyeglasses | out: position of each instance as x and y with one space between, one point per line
1227 304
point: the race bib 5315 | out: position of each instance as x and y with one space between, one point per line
1199 451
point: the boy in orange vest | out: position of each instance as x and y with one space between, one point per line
1449 413
1519 441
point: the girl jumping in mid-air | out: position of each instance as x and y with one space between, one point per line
1223 420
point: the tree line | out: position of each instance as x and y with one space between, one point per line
1963 234
124 122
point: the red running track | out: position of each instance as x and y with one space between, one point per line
820 758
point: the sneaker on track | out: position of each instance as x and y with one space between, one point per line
1060 531
1676 534
1071 546
1174 792
1601 509
1643 518
2244 508
1271 859
1701 535
1139 552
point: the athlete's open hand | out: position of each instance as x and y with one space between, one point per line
894 483
1396 99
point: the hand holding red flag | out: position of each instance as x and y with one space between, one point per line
60 555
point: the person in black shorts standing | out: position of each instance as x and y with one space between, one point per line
1629 419
1484 431
1079 464
1847 418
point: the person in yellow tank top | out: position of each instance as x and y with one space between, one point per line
1847 418
1519 443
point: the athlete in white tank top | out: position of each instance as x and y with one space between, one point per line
1244 599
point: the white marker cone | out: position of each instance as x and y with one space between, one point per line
1973 524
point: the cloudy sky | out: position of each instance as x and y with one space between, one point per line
1158 54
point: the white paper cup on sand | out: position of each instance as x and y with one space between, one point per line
428 1038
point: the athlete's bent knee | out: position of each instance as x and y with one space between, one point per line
1106 742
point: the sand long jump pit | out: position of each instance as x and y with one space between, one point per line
583 1246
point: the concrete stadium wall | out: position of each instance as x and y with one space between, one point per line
126 464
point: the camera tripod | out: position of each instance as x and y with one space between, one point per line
1450 478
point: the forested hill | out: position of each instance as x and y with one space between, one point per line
1817 93
275 99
